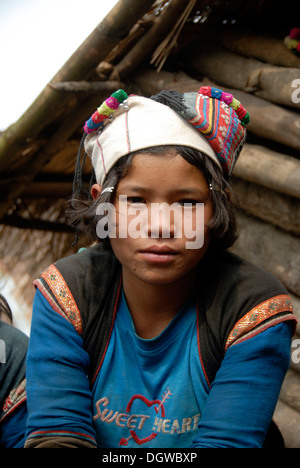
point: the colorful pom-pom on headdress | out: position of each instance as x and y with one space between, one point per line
105 111
210 121
228 98
292 41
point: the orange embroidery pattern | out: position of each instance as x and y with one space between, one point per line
14 399
258 315
63 295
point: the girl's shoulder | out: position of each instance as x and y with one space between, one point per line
234 289
88 268
229 275
84 288
237 300
77 286
86 258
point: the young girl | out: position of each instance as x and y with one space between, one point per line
157 336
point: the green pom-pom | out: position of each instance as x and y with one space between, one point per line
120 95
246 119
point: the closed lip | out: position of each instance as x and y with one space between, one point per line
160 250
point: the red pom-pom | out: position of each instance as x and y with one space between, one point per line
241 112
97 118
295 33
205 90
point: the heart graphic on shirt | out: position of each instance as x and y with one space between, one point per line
149 403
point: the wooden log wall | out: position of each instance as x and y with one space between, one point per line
266 182
261 72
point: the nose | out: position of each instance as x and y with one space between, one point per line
161 221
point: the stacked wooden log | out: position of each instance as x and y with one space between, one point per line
260 71
266 178
267 181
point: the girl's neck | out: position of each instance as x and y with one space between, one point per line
153 306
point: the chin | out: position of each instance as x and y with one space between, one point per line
160 277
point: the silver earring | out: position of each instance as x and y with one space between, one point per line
107 189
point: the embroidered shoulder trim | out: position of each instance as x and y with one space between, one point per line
54 288
275 310
14 399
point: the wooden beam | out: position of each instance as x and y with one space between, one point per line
25 175
272 83
169 43
52 190
268 49
280 210
86 86
270 248
276 171
267 120
151 39
35 224
80 66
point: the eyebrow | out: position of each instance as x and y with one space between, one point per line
179 191
192 190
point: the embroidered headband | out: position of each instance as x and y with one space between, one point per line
210 121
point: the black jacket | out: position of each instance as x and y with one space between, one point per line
235 300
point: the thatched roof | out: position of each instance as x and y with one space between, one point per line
37 153
145 46
134 41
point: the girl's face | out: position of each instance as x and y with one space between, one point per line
153 249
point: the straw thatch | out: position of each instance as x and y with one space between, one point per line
146 46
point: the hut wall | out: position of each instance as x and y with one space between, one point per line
259 71
266 183
269 198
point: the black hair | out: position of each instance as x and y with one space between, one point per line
223 229
5 310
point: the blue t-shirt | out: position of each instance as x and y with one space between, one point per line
151 393
150 390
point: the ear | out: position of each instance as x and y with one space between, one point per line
96 191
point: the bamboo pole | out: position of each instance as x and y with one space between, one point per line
276 171
162 52
151 39
81 64
35 224
270 120
24 175
87 87
268 205
273 83
52 190
267 49
270 248
267 120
